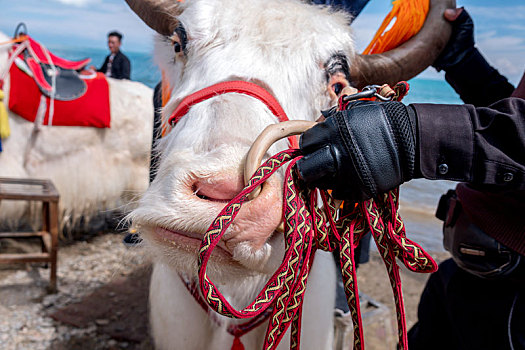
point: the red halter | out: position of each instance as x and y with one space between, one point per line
234 86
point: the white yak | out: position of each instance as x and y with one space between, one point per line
287 47
93 169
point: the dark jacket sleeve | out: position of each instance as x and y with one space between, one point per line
477 82
104 66
121 68
484 145
125 68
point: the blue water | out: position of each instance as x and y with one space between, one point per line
142 67
418 197
144 70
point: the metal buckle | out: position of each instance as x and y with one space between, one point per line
368 91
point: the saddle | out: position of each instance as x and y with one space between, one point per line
39 62
50 90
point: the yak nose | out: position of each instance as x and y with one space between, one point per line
220 189
258 218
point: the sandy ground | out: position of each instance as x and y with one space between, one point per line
373 281
102 298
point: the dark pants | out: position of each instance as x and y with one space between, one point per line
458 310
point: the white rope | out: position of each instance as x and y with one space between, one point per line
40 113
53 85
23 45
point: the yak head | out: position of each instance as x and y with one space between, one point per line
303 55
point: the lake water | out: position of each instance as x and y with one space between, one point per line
418 197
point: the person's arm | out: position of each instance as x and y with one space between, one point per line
466 70
126 68
104 66
371 147
484 145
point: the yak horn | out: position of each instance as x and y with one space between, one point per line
409 59
159 15
271 134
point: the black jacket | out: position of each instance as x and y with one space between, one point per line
121 67
484 145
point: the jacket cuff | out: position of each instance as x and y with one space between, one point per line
445 145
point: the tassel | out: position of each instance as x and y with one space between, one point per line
408 17
237 344
4 122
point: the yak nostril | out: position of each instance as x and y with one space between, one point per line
337 87
196 191
201 196
215 192
207 198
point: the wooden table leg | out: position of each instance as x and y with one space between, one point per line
53 229
45 223
36 190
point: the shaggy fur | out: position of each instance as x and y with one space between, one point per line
93 169
283 46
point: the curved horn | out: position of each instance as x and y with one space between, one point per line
271 134
159 15
409 59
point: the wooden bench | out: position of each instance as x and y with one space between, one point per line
35 190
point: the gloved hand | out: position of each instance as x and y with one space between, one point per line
360 152
461 41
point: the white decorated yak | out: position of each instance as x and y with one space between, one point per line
93 169
297 52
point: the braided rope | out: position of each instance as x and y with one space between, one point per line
308 228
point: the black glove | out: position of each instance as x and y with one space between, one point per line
460 44
467 71
360 152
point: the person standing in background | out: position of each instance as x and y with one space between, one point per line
116 65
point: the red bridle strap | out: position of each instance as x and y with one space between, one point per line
234 86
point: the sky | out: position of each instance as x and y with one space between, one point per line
499 27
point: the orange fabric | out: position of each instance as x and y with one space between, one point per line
165 95
15 40
409 16
166 89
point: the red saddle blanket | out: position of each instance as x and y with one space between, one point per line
79 100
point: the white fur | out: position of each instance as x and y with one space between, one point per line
282 45
178 322
93 169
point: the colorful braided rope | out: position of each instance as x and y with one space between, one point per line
308 228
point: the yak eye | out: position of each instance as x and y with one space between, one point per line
179 40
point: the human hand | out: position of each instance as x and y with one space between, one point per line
360 152
461 41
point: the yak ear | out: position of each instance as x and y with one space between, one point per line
159 15
410 58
